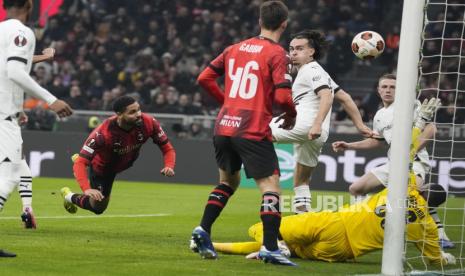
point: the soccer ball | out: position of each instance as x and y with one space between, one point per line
368 45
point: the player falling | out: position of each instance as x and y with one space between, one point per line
112 148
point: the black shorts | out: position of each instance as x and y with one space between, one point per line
103 183
259 157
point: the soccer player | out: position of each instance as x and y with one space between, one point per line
312 91
112 148
382 124
24 183
17 44
353 230
255 77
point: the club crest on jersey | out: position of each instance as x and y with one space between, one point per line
316 78
20 40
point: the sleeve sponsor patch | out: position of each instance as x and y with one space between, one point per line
88 149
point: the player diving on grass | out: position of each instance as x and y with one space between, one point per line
357 229
112 148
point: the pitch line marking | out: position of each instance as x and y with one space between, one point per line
93 217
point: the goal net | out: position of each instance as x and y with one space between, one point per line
442 75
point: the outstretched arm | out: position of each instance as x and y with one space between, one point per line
47 54
351 108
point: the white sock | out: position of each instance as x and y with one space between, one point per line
302 199
7 185
25 185
68 197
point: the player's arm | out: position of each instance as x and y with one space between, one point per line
238 248
91 147
207 79
282 83
169 154
426 240
326 101
47 54
351 109
369 143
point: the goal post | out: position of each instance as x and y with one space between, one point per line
407 78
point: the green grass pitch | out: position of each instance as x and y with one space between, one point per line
124 242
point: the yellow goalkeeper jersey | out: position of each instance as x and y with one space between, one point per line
364 223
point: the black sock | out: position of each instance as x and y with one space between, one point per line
216 202
271 219
82 201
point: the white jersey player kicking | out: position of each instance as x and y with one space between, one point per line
312 91
382 125
17 45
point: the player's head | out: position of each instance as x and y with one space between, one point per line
435 195
273 16
24 6
387 88
128 110
306 46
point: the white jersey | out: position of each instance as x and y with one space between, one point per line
382 124
17 42
310 79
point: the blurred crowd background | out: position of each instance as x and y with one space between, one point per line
154 51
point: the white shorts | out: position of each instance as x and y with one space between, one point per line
11 141
306 152
382 172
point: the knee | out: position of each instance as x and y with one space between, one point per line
354 189
98 211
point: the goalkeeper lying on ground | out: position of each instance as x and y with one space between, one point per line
352 231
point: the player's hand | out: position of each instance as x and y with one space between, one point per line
314 132
22 119
340 146
61 108
426 113
366 131
167 171
448 258
49 53
94 194
288 121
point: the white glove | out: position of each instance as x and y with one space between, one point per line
448 258
426 112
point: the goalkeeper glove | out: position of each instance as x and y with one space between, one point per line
448 258
426 112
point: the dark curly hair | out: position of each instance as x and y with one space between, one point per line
316 40
14 3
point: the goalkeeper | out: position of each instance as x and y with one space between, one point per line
352 231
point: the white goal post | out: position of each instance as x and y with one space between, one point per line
407 77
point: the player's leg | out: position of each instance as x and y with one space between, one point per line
239 248
306 156
7 181
102 183
25 192
229 164
370 181
261 164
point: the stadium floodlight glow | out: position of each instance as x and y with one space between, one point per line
407 75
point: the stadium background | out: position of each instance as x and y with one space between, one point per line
154 50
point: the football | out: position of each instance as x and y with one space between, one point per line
368 45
